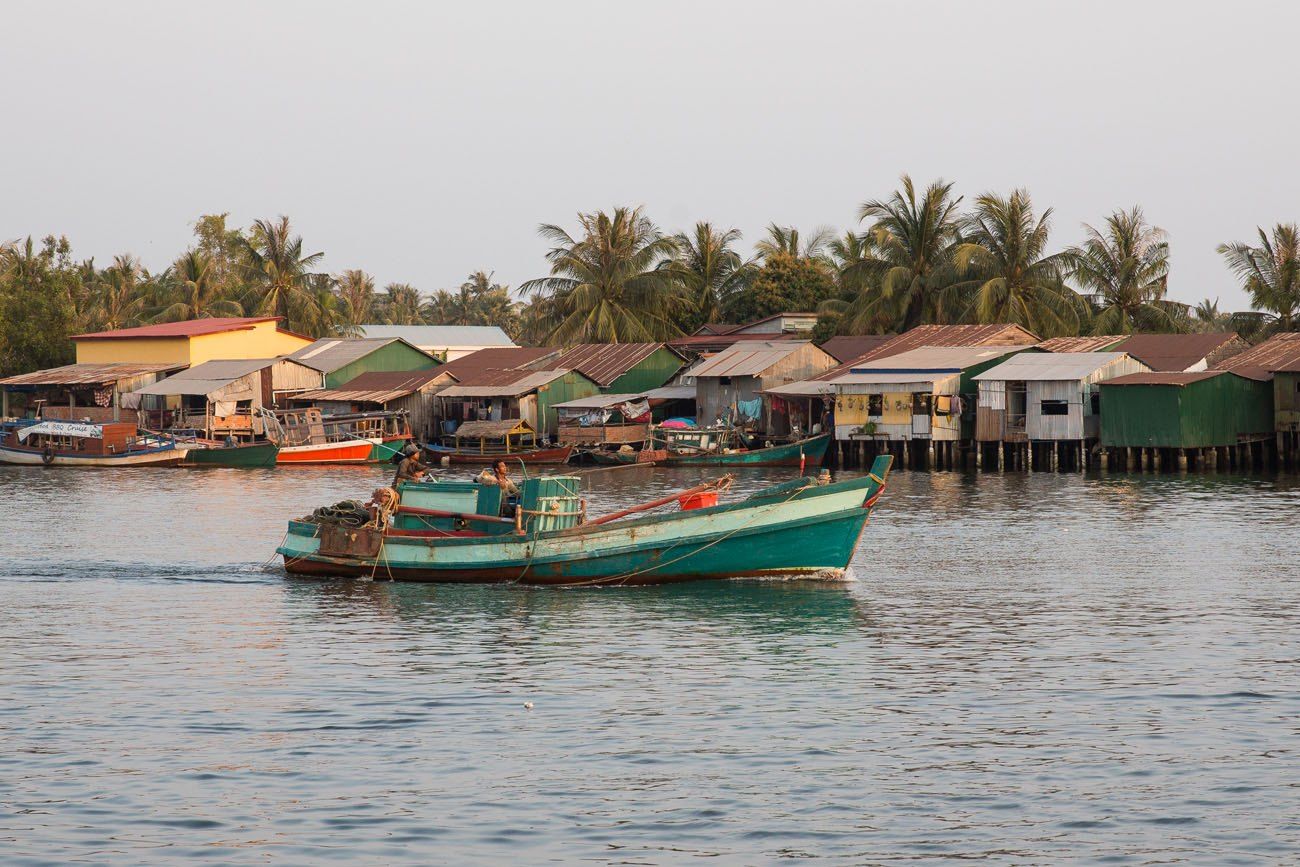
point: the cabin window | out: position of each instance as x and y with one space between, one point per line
875 404
1055 407
724 380
922 403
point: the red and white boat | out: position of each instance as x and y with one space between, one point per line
304 439
346 452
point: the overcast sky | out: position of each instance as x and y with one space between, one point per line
423 141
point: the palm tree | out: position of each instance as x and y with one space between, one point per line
119 302
907 273
401 304
200 290
709 269
440 308
1013 279
1125 269
356 290
786 239
1270 273
610 284
276 261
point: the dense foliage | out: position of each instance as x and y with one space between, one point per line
916 256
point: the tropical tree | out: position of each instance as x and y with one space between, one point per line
401 304
119 301
786 239
1010 277
200 292
280 269
37 288
907 273
610 283
1124 268
710 271
784 283
1270 274
356 292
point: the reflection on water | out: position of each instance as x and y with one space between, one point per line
1035 669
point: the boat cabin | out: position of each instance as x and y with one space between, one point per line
504 437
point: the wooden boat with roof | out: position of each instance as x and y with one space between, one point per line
482 442
54 443
455 532
303 438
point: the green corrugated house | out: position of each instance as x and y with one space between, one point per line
341 359
622 368
531 395
1205 409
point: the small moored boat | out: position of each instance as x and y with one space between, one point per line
694 447
78 444
255 454
453 532
482 442
303 438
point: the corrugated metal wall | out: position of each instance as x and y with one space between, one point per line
1286 401
1213 412
652 372
571 386
391 357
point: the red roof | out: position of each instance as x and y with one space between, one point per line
603 363
1281 352
1179 351
497 358
1163 377
848 347
1001 334
188 328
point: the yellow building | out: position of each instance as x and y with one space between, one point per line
190 343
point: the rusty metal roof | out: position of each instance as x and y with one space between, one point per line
1175 352
1164 377
498 358
1281 352
603 363
188 328
848 347
748 359
376 387
998 334
88 374
502 383
1094 343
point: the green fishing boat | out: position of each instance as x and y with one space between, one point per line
453 532
248 455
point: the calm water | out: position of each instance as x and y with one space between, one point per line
1026 669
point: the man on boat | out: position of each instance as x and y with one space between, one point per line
499 474
410 470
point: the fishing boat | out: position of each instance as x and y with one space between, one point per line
482 442
387 431
703 447
303 439
253 454
453 532
78 444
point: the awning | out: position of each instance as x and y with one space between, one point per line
87 374
671 392
62 429
200 388
598 401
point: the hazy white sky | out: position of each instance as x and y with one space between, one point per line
423 141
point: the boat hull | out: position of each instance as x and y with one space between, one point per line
813 450
558 455
166 457
255 455
808 530
349 452
382 451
